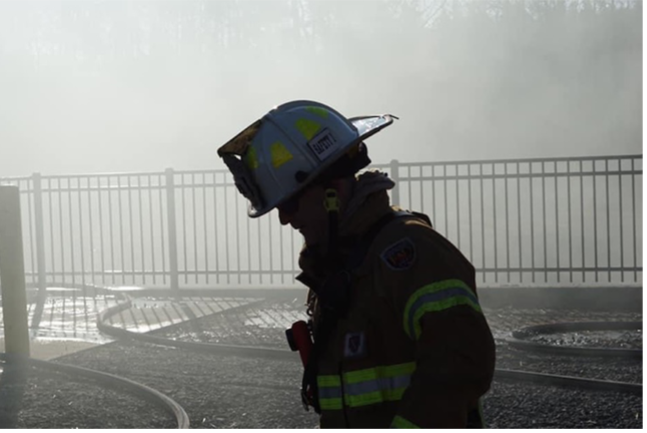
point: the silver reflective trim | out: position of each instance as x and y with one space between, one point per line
383 384
330 392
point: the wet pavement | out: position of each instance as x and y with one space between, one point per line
69 319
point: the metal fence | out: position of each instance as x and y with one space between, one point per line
557 220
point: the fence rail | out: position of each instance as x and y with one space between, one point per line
554 220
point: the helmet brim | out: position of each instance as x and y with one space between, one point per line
369 125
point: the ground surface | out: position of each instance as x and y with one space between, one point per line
235 392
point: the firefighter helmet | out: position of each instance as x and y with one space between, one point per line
294 143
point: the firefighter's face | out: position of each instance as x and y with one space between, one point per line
305 212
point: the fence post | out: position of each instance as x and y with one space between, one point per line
172 232
12 271
40 251
395 176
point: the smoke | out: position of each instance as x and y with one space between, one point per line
141 86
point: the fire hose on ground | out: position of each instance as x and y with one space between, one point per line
503 374
108 381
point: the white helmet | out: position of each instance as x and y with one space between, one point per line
290 146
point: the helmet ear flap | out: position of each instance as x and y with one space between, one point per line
361 159
349 164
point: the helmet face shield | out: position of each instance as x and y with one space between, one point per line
234 154
279 154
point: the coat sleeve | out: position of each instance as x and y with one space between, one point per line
432 289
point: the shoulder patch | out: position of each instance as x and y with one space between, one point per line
400 255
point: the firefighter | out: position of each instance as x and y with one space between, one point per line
400 339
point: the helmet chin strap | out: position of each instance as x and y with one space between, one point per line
331 204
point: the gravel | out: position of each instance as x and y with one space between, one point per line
233 392
603 339
215 391
514 405
602 368
39 398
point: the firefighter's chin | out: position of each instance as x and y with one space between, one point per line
311 236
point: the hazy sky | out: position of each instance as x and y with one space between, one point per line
75 99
